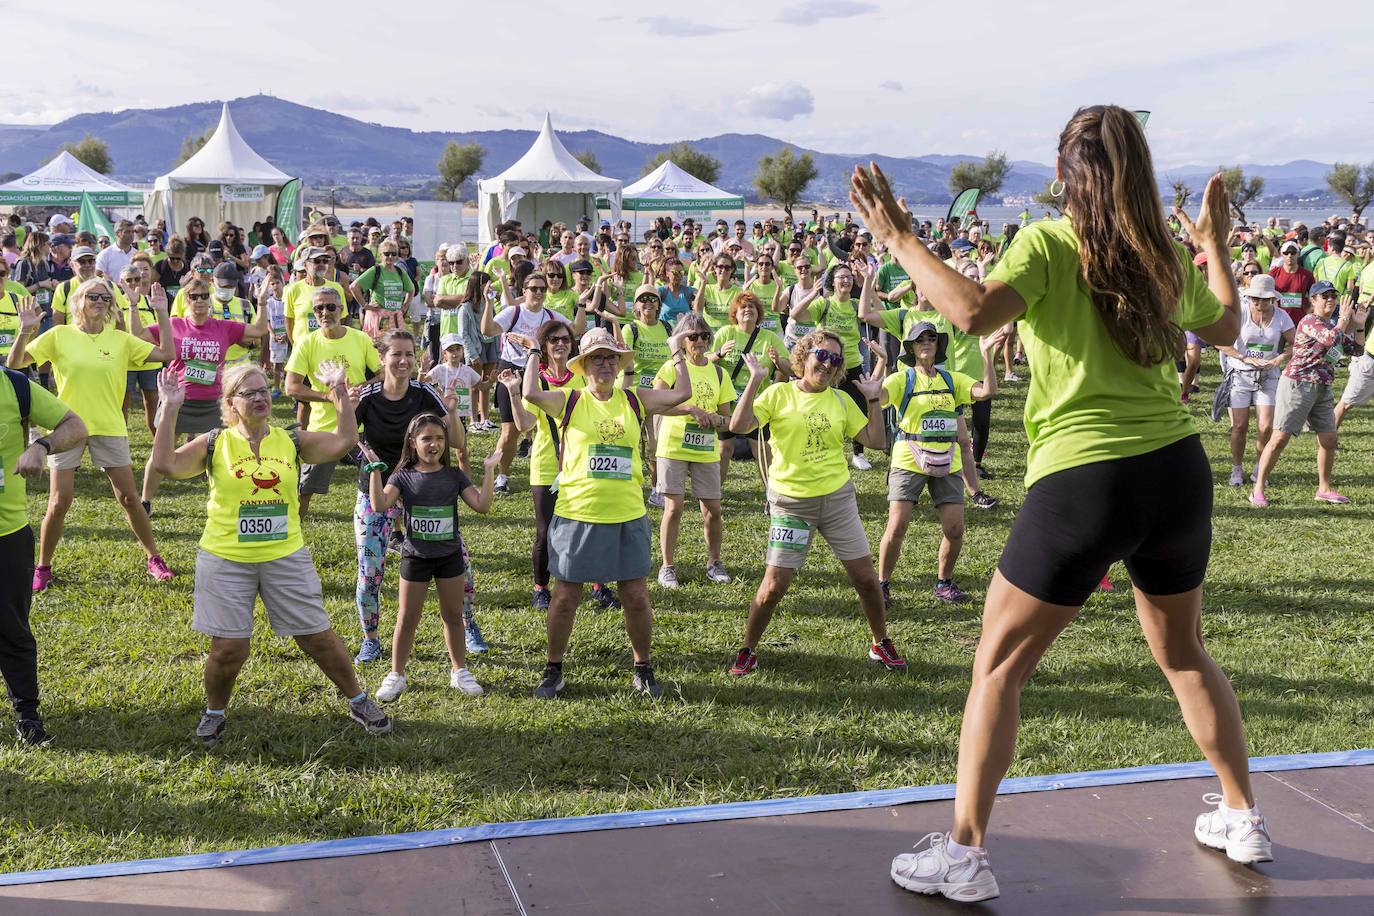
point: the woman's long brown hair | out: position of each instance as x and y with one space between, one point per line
1128 259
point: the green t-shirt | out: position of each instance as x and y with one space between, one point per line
387 288
932 417
354 350
45 411
92 371
717 305
842 317
650 343
768 318
1337 271
1087 401
543 455
808 430
1367 284
890 276
679 436
451 285
1311 255
733 362
562 301
9 323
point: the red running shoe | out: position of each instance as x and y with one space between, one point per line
746 660
886 653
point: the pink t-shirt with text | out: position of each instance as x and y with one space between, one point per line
204 347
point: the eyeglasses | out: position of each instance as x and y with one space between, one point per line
197 297
251 394
1251 273
1318 296
603 358
560 339
326 308
698 335
826 358
802 267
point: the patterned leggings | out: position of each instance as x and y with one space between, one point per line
370 532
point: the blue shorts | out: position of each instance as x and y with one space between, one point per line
143 378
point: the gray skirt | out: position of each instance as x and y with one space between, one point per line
591 552
196 417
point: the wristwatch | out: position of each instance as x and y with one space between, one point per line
45 442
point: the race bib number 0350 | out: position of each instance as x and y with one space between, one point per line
610 462
262 522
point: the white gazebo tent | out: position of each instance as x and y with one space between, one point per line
546 183
670 188
61 182
225 180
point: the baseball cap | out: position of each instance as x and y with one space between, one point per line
1200 258
518 250
216 247
58 219
581 267
315 251
450 340
82 251
1290 246
62 239
1321 286
261 251
227 271
646 289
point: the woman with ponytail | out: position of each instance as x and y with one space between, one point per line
1115 470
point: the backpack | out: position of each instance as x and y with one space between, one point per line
932 462
214 435
23 395
574 396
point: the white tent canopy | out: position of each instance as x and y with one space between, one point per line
546 183
670 188
225 180
61 182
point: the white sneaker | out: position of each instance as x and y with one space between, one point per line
1013 377
1237 476
931 871
717 572
1244 838
861 463
462 679
656 499
502 484
667 577
393 685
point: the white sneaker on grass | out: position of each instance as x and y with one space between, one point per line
932 871
462 679
861 463
1243 837
393 685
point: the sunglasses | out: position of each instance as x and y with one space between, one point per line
197 297
536 289
826 358
554 276
559 339
99 297
649 299
326 308
321 260
725 267
698 335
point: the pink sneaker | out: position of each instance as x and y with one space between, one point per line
1106 584
1257 499
158 569
42 578
1331 496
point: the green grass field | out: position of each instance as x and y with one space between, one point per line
1288 605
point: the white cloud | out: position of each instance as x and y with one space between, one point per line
811 12
782 101
681 28
891 85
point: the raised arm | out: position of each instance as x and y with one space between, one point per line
166 350
322 448
1210 232
988 346
524 420
873 435
662 400
480 500
30 317
743 421
551 401
167 459
802 310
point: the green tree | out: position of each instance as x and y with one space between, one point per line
588 158
1241 190
987 175
784 176
92 151
193 144
1353 184
692 161
459 162
1045 199
1181 192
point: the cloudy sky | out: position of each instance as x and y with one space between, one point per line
843 76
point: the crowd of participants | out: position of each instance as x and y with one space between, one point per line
630 370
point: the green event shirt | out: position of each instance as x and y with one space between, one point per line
650 343
1337 271
842 317
733 362
389 291
941 401
1087 401
678 436
890 276
962 354
45 411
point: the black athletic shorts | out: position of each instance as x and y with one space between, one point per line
1153 511
503 404
423 569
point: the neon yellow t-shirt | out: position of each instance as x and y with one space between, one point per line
299 300
354 350
809 430
932 417
1088 402
252 515
543 456
562 301
9 323
678 436
602 476
768 319
733 362
842 317
92 371
650 343
716 306
45 411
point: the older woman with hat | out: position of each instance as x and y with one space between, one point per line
809 490
1304 390
600 528
1255 363
927 455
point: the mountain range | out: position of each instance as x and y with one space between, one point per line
327 149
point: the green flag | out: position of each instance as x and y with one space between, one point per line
1144 117
90 219
289 208
963 205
